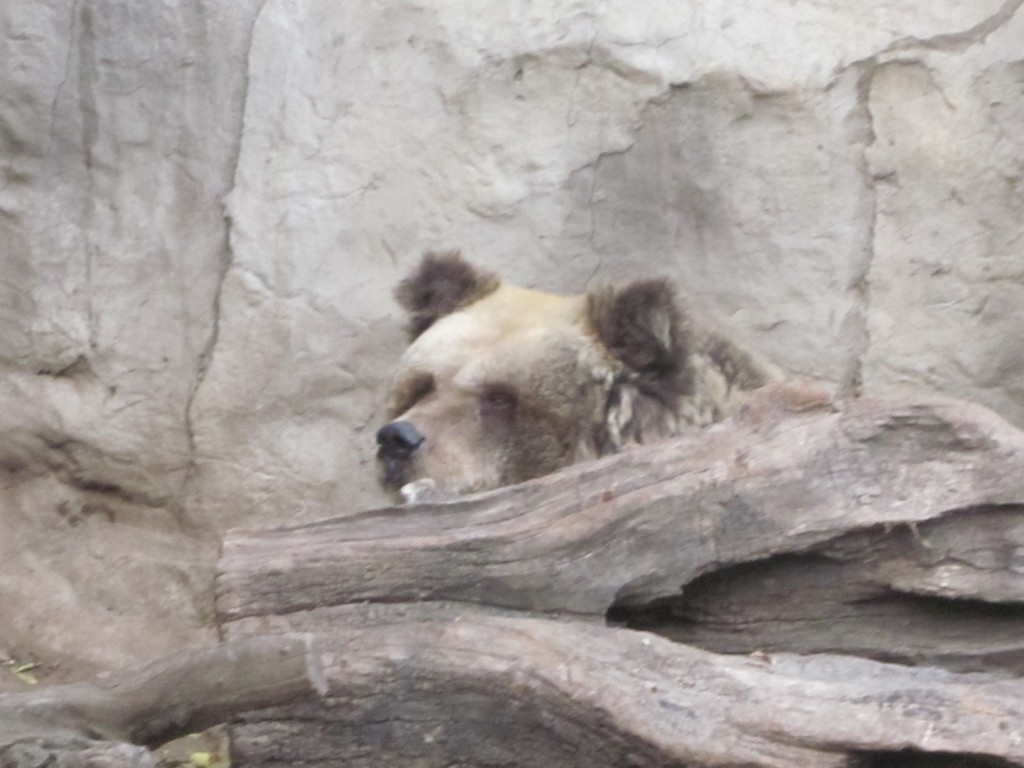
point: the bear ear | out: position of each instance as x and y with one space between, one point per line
441 284
641 324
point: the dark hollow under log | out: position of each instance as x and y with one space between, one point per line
895 593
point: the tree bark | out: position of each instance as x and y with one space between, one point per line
505 691
96 723
475 633
890 529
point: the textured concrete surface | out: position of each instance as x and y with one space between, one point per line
204 206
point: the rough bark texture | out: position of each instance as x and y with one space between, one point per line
888 530
768 531
530 692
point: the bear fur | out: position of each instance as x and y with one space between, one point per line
501 384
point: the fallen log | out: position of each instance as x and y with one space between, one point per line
890 529
111 721
500 691
525 692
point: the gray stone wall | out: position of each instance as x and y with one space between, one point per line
204 206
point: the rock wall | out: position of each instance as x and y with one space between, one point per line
204 206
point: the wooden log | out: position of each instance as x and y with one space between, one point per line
888 528
498 691
97 723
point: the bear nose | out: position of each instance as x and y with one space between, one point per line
398 439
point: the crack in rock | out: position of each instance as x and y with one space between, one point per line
853 377
224 267
961 41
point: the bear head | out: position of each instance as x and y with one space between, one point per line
501 384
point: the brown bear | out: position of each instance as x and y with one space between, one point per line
501 384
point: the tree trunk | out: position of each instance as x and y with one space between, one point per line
474 633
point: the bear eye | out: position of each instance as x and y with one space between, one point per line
498 399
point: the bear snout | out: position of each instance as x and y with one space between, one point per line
398 440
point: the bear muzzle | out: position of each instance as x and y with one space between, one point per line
397 443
